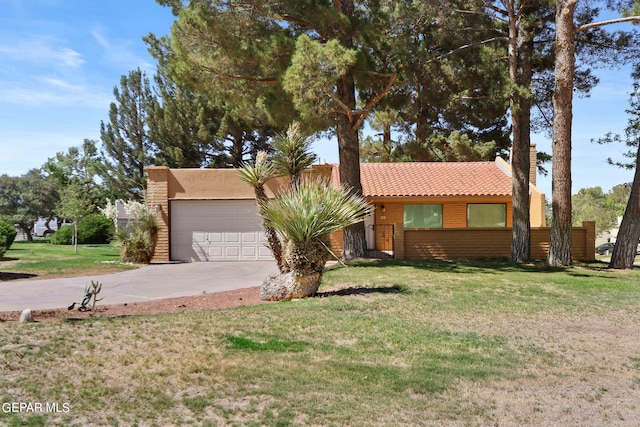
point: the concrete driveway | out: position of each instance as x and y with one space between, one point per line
151 282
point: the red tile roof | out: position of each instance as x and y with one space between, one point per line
433 179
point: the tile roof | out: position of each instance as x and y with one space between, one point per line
433 179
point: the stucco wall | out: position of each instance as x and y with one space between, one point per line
165 184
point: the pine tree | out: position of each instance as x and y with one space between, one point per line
560 246
183 126
126 146
241 52
624 252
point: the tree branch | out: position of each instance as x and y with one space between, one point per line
609 22
344 108
374 101
287 18
239 77
473 12
467 46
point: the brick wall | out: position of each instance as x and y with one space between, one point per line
158 202
454 209
487 243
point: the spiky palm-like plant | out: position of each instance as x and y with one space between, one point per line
292 153
306 216
256 175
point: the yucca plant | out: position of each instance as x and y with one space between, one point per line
305 216
256 175
292 153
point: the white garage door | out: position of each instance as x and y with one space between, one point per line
221 230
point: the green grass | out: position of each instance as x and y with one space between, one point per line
40 259
385 343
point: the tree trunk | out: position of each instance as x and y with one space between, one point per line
307 261
520 53
560 247
354 236
386 143
624 252
270 233
237 149
355 245
75 237
27 231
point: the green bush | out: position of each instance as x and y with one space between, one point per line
95 229
64 236
7 235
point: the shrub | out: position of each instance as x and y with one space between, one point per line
95 228
64 236
3 245
7 235
137 240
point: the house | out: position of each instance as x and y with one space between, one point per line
422 210
427 199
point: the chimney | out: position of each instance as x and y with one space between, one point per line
533 164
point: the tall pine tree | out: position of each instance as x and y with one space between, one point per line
624 252
126 145
241 51
567 31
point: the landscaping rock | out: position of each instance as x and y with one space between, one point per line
26 316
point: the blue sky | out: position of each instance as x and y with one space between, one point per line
60 60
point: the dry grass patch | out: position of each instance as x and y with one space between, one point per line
387 344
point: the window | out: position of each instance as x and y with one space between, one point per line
422 216
486 215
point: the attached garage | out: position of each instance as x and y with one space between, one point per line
217 230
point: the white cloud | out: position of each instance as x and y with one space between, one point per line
123 54
43 71
57 83
52 92
101 39
41 51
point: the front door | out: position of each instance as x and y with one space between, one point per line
384 237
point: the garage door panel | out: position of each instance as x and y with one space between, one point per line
215 252
264 253
232 252
199 237
232 238
251 237
249 252
215 238
217 231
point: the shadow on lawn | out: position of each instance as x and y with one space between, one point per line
471 266
5 277
394 289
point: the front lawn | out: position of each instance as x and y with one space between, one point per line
41 260
386 343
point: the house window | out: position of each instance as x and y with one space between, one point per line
486 215
422 216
